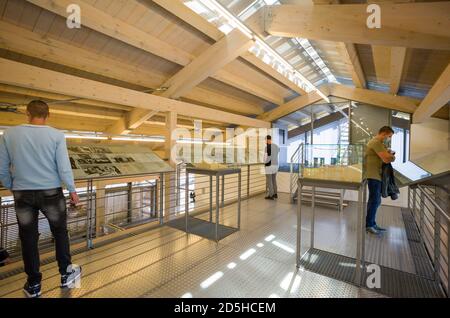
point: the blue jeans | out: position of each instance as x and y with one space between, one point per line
374 201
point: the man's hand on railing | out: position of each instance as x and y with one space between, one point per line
74 199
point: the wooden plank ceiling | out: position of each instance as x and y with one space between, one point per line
34 32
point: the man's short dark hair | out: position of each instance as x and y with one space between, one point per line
386 130
269 137
38 109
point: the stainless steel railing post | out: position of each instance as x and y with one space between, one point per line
2 225
409 197
414 203
178 190
448 258
363 232
217 208
186 201
313 214
437 244
210 198
299 224
239 199
359 229
421 213
248 182
89 214
222 193
161 198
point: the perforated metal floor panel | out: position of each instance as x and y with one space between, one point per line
421 259
202 228
393 283
257 261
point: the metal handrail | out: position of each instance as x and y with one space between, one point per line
431 237
441 211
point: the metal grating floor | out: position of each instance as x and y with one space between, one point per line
202 228
393 283
257 261
421 259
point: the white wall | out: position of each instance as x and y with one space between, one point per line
429 137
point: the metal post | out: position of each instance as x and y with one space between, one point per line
299 223
358 239
341 201
210 199
421 213
239 198
409 197
186 200
448 259
154 199
350 122
178 190
217 207
437 243
248 181
223 192
155 194
363 232
414 203
313 214
129 201
89 196
291 186
2 225
161 198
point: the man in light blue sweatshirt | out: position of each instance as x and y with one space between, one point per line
34 164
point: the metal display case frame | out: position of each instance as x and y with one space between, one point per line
204 228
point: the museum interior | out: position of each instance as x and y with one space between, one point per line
166 106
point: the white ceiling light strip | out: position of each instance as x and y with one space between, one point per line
261 49
306 45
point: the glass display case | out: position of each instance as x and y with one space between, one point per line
334 162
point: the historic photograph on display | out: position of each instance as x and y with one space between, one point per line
73 164
122 159
88 149
101 171
79 149
93 159
100 150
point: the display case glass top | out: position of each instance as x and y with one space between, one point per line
335 162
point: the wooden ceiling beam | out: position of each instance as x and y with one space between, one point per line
349 54
135 37
437 97
23 75
291 106
385 100
412 25
351 59
13 38
398 56
208 63
177 8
